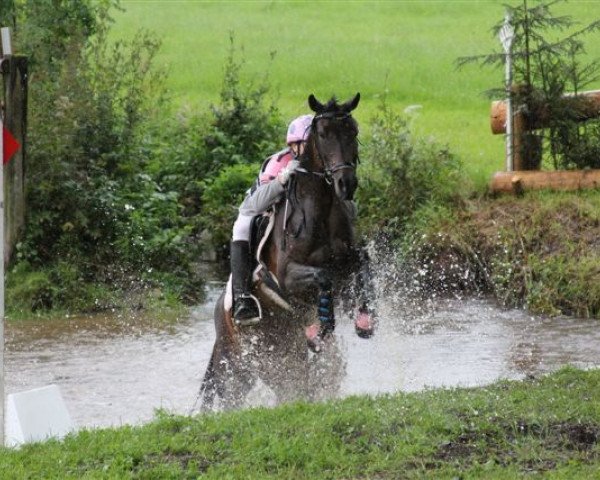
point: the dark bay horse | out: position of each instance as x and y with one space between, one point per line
310 257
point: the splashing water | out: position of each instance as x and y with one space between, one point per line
113 369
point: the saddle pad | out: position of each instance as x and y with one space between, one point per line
228 299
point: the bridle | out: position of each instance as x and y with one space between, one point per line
327 173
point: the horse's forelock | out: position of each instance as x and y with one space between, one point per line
332 105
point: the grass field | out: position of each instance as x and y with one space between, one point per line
403 49
541 428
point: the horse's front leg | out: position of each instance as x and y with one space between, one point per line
299 278
365 321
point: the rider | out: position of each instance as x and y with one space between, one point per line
273 177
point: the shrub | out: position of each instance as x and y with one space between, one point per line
222 195
217 156
89 147
401 174
244 129
86 146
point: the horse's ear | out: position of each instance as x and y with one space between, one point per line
314 104
351 104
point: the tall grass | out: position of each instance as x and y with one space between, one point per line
406 49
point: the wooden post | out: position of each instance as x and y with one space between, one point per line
6 53
15 76
518 146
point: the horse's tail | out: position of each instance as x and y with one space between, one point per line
208 388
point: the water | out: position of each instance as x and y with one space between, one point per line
115 370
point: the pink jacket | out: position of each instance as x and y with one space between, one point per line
273 165
266 192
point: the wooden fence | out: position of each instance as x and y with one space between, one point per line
526 174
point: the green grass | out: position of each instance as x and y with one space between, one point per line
548 426
404 49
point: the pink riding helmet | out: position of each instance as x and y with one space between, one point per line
298 129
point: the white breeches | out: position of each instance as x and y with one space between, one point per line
241 228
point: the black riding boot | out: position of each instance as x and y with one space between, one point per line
245 306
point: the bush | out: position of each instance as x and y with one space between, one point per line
222 195
116 194
59 289
244 129
401 174
89 147
218 157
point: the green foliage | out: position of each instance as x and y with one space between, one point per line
178 159
244 127
401 173
116 191
241 130
60 289
47 30
533 263
95 216
212 160
29 291
221 197
88 148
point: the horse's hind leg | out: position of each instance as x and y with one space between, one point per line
227 379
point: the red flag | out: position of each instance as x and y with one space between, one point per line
11 145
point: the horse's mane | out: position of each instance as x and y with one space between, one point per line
332 105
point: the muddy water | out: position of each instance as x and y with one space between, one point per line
114 370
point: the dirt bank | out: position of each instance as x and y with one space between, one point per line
540 251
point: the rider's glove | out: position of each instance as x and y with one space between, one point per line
284 175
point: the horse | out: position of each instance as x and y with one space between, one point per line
307 260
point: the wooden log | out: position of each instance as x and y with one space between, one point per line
498 116
518 182
586 104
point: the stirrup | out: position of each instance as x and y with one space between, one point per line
247 310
